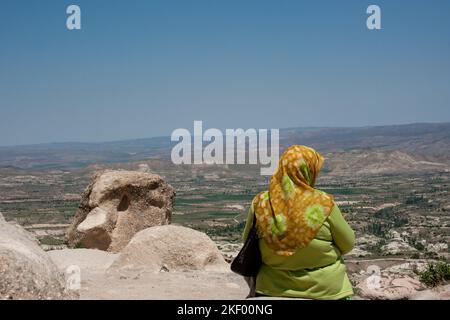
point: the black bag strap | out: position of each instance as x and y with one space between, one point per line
254 220
254 215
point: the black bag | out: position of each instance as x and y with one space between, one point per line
248 260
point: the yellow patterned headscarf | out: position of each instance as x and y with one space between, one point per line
291 213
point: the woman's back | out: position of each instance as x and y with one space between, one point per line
302 232
313 272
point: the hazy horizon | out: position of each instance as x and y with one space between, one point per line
142 69
223 130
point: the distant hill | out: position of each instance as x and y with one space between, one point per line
371 162
64 155
421 138
420 142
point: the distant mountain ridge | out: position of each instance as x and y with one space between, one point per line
427 141
420 138
376 162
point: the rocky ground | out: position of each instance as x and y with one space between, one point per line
28 272
100 280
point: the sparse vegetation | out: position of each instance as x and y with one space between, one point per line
377 248
435 274
416 244
232 232
378 229
415 200
52 241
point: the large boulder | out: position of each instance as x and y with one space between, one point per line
26 271
118 204
170 248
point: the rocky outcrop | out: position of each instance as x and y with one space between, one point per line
162 262
438 293
389 287
118 204
26 272
386 279
171 248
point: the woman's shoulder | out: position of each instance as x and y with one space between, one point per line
333 204
263 195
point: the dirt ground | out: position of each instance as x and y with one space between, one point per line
163 285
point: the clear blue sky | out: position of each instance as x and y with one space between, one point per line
144 68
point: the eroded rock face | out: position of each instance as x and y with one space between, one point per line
171 248
387 279
26 271
118 204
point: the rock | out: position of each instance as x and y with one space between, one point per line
97 217
144 167
88 260
388 287
438 293
387 279
27 272
437 247
397 246
118 204
358 252
171 248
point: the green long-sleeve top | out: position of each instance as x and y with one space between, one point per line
316 271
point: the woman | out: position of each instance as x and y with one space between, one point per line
302 232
